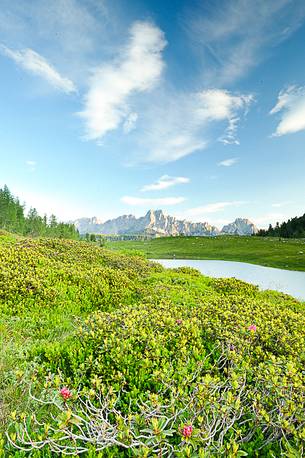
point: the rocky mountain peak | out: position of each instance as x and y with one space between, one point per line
154 215
241 226
157 223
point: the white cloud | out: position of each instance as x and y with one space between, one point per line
137 201
31 165
229 135
137 69
228 162
219 104
130 122
172 124
165 182
215 213
269 218
213 208
72 33
166 124
291 104
281 204
235 36
35 63
180 124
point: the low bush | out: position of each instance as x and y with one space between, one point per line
123 358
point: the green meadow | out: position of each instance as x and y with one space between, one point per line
105 354
266 251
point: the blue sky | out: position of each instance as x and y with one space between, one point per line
115 107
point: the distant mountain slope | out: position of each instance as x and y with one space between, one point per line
240 227
157 223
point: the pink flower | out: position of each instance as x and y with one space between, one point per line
179 321
252 328
187 431
65 393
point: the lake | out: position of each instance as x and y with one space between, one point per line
286 281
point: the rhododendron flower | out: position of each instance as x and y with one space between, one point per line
252 328
65 393
187 431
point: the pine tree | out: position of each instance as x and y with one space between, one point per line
13 219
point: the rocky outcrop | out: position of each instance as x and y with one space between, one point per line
90 225
156 223
240 226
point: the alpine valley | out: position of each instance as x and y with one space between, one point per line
157 224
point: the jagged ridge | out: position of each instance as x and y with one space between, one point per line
157 223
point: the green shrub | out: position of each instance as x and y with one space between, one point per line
147 354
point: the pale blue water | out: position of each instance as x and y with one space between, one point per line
286 281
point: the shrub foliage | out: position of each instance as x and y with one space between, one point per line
119 357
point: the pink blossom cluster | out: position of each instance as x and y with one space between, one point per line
187 431
65 393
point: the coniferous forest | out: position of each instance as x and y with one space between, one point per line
293 228
13 218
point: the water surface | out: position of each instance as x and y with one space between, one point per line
286 281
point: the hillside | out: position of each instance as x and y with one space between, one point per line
271 252
110 355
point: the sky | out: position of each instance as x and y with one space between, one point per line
196 107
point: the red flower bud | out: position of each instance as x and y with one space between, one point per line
65 393
187 431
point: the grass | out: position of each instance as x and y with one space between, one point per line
164 349
270 252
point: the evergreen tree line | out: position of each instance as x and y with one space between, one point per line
293 228
14 219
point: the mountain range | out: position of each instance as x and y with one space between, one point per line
157 224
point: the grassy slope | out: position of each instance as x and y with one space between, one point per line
48 288
284 254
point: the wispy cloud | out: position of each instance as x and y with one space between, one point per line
31 165
182 124
137 69
269 218
36 64
165 124
281 204
229 137
236 35
165 182
291 105
70 32
170 124
130 122
213 207
166 201
228 162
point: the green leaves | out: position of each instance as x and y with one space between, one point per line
168 348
